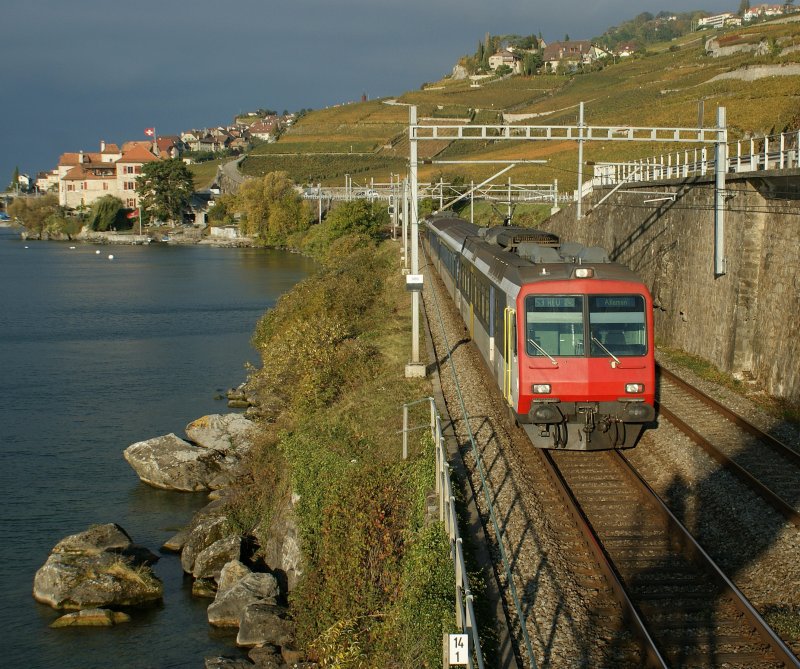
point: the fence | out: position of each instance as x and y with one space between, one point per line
465 612
774 152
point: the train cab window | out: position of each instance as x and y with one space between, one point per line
617 325
554 325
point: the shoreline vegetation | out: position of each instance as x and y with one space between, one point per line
376 577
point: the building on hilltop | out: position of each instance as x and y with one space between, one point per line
506 57
571 54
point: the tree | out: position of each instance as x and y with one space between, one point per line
744 5
532 62
358 216
272 208
165 188
14 185
34 212
107 212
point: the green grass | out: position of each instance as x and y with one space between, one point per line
204 174
705 370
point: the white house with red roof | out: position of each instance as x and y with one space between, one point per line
86 177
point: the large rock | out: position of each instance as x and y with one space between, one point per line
282 546
100 567
91 618
171 463
264 624
230 433
210 561
206 527
231 574
256 588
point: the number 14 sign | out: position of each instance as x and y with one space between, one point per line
459 650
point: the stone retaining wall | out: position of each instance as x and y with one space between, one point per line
746 322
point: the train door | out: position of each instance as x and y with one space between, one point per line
509 353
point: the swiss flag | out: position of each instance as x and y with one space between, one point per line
133 214
149 131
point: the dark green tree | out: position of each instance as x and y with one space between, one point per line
272 208
532 62
358 216
34 212
107 213
165 188
14 179
744 5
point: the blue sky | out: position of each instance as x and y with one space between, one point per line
77 71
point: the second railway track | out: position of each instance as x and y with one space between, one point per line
766 465
686 612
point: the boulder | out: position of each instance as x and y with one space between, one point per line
227 608
176 543
97 568
91 618
171 463
209 562
266 657
282 546
231 574
206 527
264 624
228 433
227 663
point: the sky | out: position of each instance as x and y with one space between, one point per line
74 72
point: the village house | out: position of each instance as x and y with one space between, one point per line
266 128
506 57
83 178
763 11
571 54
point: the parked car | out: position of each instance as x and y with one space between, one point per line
4 217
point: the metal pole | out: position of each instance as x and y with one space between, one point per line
579 208
319 202
414 368
719 194
472 202
405 432
405 224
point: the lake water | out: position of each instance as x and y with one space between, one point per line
96 354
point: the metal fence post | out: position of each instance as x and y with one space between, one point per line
405 432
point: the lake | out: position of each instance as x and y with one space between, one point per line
96 354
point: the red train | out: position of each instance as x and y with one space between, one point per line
566 333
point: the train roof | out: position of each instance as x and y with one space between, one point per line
516 256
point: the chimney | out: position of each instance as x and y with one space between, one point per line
102 145
80 157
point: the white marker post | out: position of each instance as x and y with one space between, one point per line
458 650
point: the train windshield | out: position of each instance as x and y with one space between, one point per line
617 325
554 325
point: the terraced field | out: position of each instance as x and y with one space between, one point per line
661 88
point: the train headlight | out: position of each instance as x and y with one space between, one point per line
541 388
634 388
584 273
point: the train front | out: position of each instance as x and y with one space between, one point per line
586 363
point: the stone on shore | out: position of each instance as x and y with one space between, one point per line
91 618
171 463
100 567
206 527
264 624
230 433
228 607
210 561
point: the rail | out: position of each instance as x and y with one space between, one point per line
465 610
772 152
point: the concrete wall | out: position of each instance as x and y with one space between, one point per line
746 322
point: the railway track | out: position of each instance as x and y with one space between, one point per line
767 466
686 612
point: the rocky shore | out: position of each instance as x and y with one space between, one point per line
100 577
